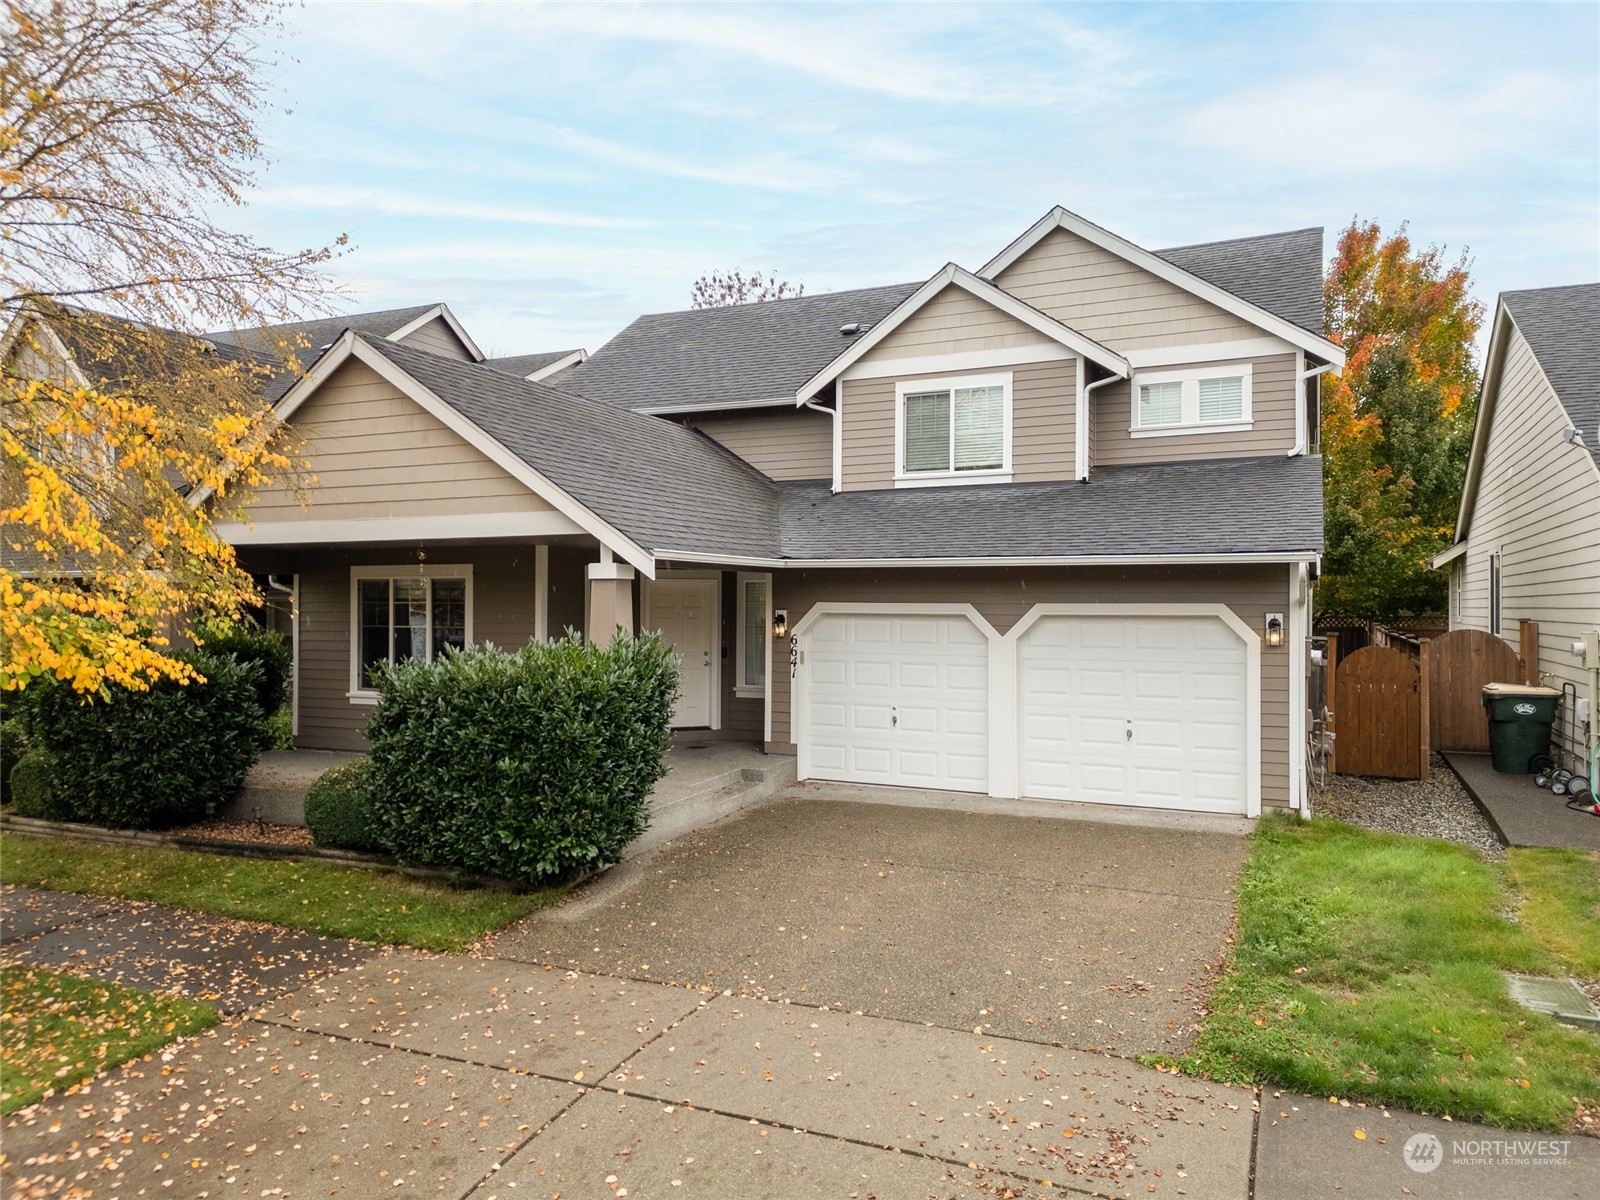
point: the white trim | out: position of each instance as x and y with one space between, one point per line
1190 379
1209 352
835 432
1038 560
1247 635
715 578
1000 474
296 681
953 275
1448 556
560 364
1299 649
1080 423
359 693
438 311
1060 218
741 650
1299 404
541 593
669 410
350 346
961 360
797 690
609 570
396 529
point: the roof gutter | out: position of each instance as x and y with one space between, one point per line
1083 424
838 436
1310 557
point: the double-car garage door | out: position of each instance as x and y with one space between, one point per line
1143 710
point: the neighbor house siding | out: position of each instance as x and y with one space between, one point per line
1105 297
436 337
1272 406
953 322
784 443
1538 505
1042 435
373 452
1004 595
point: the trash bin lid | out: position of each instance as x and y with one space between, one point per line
1518 689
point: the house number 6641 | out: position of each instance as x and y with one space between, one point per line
794 655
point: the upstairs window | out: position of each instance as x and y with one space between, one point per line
1191 401
949 429
402 613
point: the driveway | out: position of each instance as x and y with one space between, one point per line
1092 935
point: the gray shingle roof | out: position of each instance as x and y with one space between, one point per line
1562 327
523 365
1280 272
664 486
307 339
741 354
1269 504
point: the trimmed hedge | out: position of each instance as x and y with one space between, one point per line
145 760
529 766
337 811
33 791
250 643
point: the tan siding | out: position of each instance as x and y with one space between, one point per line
785 443
502 613
1272 406
1109 299
1538 504
1042 435
436 337
373 452
1004 595
953 322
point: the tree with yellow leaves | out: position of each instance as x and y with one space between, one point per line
123 432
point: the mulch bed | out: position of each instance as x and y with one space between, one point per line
257 832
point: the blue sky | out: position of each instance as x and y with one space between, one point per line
553 171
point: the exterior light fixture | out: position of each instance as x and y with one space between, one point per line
780 624
1274 630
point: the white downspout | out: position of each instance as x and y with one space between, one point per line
1083 423
1300 430
838 440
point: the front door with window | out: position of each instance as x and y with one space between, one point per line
684 611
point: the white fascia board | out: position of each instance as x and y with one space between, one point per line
1060 218
1488 397
456 327
1449 556
670 410
983 290
1078 560
561 364
455 527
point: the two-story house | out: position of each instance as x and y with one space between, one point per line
1046 529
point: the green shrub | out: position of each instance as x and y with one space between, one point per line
144 760
337 811
33 789
250 643
280 729
13 745
529 766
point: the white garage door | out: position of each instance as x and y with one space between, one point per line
1135 710
901 700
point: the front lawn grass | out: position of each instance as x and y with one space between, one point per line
1559 892
347 902
58 1030
1368 966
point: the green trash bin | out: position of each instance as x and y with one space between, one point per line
1519 724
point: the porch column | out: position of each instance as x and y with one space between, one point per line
610 601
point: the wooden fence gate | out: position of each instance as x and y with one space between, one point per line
1459 664
1383 714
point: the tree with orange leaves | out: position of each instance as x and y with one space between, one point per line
123 432
1397 423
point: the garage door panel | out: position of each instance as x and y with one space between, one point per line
1178 683
914 691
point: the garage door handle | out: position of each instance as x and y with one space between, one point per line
1129 731
894 717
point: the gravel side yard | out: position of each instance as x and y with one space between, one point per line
1438 807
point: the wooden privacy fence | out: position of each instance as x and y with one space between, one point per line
1389 706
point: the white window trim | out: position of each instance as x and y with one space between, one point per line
1497 593
740 687
359 693
907 387
1190 377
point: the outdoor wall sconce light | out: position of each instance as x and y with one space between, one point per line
780 624
1274 630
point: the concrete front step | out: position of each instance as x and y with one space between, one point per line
703 786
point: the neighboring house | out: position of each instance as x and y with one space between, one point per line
1046 529
1528 534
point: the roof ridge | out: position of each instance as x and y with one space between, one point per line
1557 287
876 287
1249 237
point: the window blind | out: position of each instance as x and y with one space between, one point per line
928 431
1222 399
1160 403
979 428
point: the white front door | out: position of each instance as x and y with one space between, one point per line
1135 710
684 611
900 700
